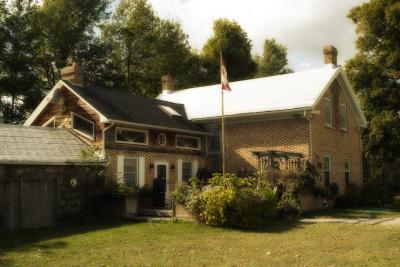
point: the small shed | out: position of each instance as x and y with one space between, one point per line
43 177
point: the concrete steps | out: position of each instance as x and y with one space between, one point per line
163 213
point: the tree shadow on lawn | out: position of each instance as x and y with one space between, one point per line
28 239
276 226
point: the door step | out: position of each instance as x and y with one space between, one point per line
155 213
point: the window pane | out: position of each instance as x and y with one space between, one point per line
130 171
82 125
327 178
347 165
187 172
327 163
328 112
131 136
187 142
347 178
343 116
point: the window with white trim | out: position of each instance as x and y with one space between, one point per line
343 117
131 171
187 171
187 142
327 170
51 123
347 172
131 136
328 112
83 126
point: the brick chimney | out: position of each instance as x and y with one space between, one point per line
168 84
330 55
72 72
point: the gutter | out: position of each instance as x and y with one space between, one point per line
155 127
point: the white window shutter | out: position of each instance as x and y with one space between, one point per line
142 168
195 168
179 171
120 169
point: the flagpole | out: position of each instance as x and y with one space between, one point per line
222 133
222 121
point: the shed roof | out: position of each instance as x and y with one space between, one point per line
39 145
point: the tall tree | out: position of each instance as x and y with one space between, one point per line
20 81
274 59
375 74
230 39
146 47
67 25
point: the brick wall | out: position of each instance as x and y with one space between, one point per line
289 135
335 142
150 158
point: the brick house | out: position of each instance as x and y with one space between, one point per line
306 113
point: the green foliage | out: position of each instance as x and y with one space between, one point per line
230 39
374 73
229 201
19 63
396 201
274 59
289 205
120 190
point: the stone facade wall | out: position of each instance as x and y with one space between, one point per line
62 113
335 142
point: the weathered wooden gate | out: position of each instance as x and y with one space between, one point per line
28 203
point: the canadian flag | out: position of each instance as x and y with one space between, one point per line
224 76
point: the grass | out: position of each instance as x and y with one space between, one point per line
372 213
107 243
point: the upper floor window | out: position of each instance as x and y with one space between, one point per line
327 170
328 112
347 171
343 116
131 136
214 141
83 126
187 142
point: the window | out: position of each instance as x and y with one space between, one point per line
51 123
83 126
214 141
187 142
327 170
187 171
131 136
328 112
162 139
343 116
347 171
131 171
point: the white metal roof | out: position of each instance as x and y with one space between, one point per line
276 93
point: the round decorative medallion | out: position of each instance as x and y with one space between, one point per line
73 182
162 139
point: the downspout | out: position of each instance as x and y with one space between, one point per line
310 134
103 152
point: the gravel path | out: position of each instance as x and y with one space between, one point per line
380 221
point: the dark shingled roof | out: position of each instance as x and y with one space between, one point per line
39 145
116 105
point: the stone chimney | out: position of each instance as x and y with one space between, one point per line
168 84
330 55
72 72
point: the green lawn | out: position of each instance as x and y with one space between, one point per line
369 212
102 243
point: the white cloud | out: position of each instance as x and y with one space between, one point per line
304 26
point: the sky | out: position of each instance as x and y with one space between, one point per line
304 26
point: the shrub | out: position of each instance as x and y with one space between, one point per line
120 190
288 205
351 198
229 201
396 201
